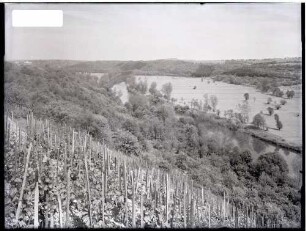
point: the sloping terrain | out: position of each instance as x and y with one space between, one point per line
147 127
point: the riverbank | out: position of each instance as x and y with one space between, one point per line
273 139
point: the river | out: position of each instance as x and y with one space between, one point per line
229 96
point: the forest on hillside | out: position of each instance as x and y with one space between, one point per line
152 129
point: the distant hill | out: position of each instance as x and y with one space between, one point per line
275 68
287 70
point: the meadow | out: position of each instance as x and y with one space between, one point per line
230 95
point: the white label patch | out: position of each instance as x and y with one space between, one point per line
37 18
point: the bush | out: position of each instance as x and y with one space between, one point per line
276 117
167 90
274 166
153 89
279 125
278 92
277 106
270 110
142 87
181 109
283 102
214 101
290 94
259 121
246 96
127 143
269 100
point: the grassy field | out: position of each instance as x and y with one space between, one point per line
230 95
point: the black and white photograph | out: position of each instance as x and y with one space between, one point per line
154 115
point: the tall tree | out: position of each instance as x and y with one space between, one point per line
167 90
214 101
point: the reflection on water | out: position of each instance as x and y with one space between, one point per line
286 152
223 136
259 146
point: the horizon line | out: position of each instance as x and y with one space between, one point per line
148 60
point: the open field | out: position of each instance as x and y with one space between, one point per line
230 95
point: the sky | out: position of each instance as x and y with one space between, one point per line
160 31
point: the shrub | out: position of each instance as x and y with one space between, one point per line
278 92
153 89
167 90
218 112
283 102
290 94
214 101
277 106
142 87
127 143
269 100
270 110
273 165
276 117
181 109
246 96
279 125
259 121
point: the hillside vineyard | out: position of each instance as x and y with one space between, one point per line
154 116
49 165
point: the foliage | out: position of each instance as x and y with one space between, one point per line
274 166
142 87
279 125
259 121
277 106
203 70
276 117
214 101
278 92
167 90
290 94
196 142
270 110
127 143
246 96
152 88
269 100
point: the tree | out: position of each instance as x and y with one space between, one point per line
273 165
127 143
283 102
270 110
259 121
214 101
152 88
244 108
276 117
290 93
203 70
138 104
279 125
277 106
164 111
264 87
142 87
278 92
246 96
218 112
269 100
229 114
167 90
